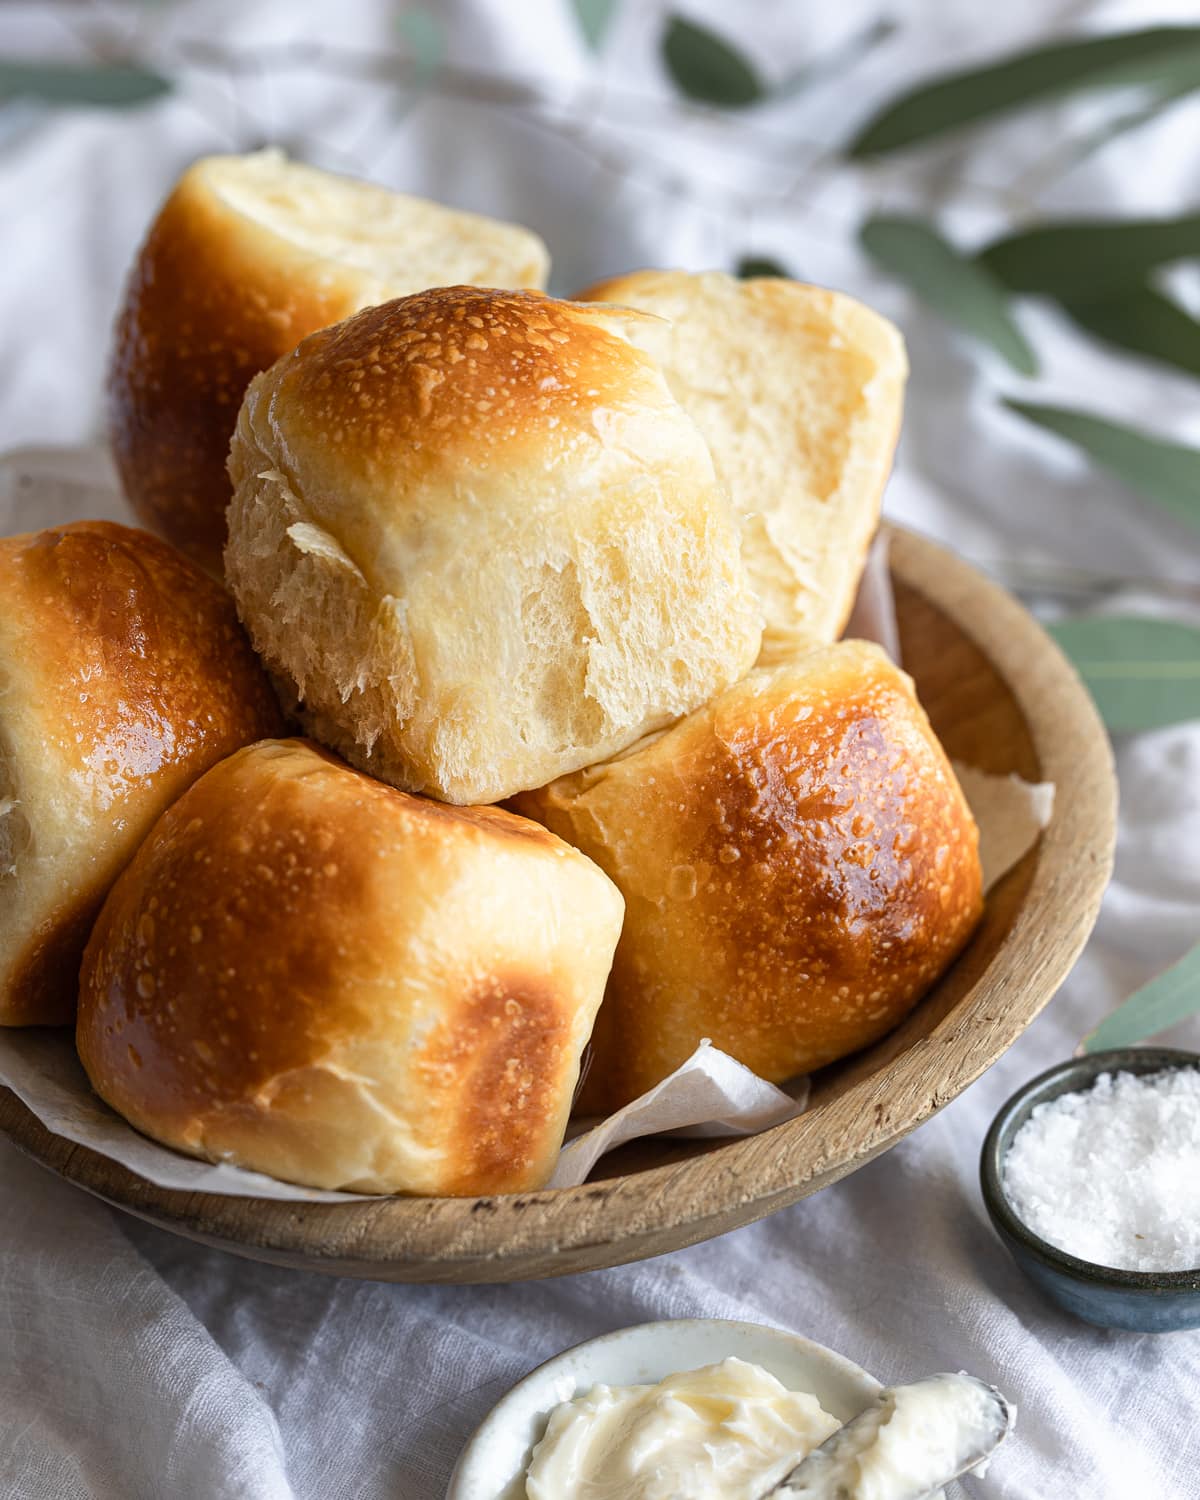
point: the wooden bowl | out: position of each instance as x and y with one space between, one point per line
1003 698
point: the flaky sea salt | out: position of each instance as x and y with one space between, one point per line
1112 1174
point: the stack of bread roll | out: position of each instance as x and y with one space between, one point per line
590 559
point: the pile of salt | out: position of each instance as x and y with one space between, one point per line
1112 1174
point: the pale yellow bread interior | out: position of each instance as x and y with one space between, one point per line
406 243
798 392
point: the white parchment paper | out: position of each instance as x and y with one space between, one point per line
1010 813
709 1095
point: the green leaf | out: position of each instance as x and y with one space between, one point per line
1089 258
594 17
421 32
706 68
952 284
1143 673
66 83
751 267
1165 472
1145 322
1163 54
1170 998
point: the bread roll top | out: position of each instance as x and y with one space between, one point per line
462 407
126 675
309 973
798 864
483 542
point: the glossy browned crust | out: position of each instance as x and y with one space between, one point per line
495 1064
799 865
43 979
455 375
282 978
127 676
205 310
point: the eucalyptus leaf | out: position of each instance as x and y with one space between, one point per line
1165 472
751 267
1146 322
421 32
1086 258
1144 673
1168 999
953 284
594 17
706 68
1162 55
68 83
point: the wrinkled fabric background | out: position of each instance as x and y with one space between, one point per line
135 1366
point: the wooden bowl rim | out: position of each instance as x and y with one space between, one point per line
489 1238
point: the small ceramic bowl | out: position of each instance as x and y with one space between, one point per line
1141 1301
493 1463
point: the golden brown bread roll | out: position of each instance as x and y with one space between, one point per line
481 541
311 974
125 675
798 865
798 392
247 255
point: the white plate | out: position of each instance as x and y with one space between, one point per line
493 1463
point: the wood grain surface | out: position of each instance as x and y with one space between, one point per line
1003 698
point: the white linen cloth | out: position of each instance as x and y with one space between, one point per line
135 1366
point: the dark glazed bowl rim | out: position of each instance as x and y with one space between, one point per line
1074 1075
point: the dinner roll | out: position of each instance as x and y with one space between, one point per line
311 974
481 542
798 392
798 865
247 255
125 674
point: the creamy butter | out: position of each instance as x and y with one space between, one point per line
724 1432
907 1445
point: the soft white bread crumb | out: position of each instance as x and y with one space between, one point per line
398 243
798 392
